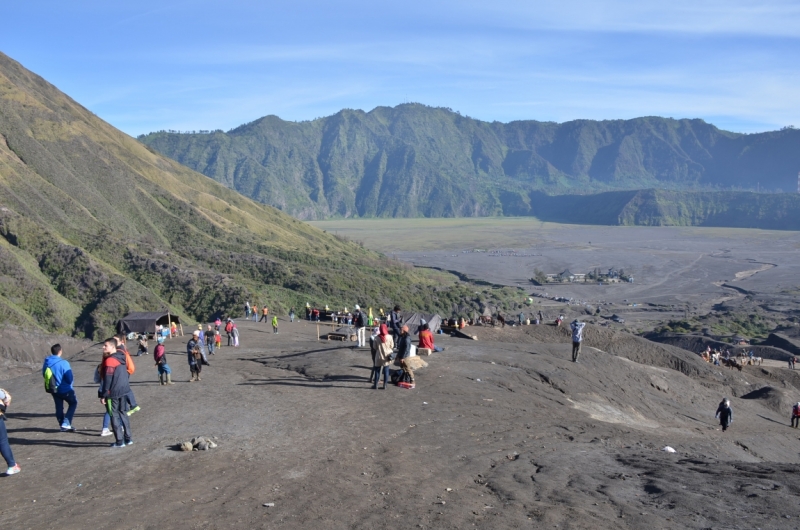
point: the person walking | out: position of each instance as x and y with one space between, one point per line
211 339
119 339
229 331
383 357
98 379
291 315
194 357
254 312
275 324
201 342
160 357
373 348
247 310
5 447
235 334
725 414
577 338
58 381
114 388
796 415
395 323
404 352
264 314
360 322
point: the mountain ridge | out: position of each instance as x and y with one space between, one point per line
412 160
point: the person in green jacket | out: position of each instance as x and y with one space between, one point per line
275 323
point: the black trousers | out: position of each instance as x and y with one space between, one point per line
119 420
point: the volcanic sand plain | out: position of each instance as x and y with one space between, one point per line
679 269
501 432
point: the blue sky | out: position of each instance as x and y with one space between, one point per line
186 65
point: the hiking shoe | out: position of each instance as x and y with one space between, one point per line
134 409
106 432
129 442
13 470
116 445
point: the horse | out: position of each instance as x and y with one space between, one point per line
501 320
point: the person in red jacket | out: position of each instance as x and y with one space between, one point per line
426 338
160 357
796 414
114 388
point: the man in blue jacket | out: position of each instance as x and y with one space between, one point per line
62 380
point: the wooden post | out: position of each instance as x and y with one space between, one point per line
317 330
169 324
181 325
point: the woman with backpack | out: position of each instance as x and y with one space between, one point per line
5 447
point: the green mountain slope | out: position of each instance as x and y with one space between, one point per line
412 160
95 224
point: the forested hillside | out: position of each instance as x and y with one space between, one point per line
93 225
413 160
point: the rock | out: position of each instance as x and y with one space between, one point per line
212 445
269 504
202 446
185 446
668 449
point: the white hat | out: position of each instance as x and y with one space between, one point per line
357 307
196 333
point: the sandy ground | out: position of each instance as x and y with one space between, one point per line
503 432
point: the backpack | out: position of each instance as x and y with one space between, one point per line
795 411
129 363
50 382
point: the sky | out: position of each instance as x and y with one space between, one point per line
195 65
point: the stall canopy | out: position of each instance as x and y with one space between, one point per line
413 320
145 322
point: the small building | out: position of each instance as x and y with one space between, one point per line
145 322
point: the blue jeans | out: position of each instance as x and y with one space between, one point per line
106 420
164 369
5 448
72 402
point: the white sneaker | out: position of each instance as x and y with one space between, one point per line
13 470
106 432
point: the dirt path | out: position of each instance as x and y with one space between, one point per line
503 432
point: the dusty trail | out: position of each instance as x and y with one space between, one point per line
520 436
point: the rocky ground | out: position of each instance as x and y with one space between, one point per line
502 432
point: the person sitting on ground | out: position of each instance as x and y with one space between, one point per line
796 415
577 338
426 339
383 356
725 414
404 352
142 343
5 447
